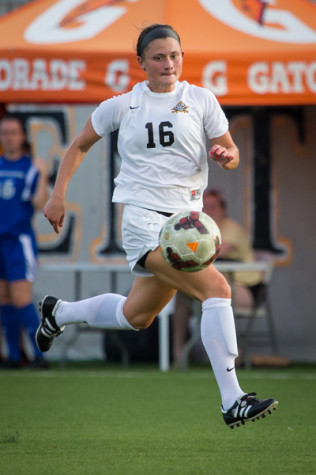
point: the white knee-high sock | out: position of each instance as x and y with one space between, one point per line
218 335
102 311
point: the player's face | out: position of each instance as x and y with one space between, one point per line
162 61
12 138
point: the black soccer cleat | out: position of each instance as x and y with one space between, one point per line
248 408
48 327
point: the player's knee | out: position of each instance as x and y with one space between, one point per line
141 325
224 290
141 322
219 289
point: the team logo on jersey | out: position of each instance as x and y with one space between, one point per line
180 107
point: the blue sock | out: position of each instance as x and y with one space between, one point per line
11 328
29 320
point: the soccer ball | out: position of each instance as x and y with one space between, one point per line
190 241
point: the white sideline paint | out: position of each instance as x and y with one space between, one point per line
126 374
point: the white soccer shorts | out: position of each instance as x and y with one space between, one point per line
140 233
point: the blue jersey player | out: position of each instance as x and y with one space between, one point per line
23 189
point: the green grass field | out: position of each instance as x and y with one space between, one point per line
99 420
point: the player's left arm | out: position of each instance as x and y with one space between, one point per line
224 151
41 194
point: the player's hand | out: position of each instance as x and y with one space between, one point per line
221 155
54 211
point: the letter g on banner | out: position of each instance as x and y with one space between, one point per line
48 29
290 28
117 76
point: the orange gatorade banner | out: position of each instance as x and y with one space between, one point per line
248 52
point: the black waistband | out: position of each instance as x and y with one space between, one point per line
164 213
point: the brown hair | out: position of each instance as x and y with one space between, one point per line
154 32
26 146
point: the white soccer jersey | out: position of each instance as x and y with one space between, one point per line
162 144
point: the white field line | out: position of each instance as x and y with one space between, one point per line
104 374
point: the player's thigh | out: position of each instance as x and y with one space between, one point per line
147 297
5 298
21 293
18 293
200 285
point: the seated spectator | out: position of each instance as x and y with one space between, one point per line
235 246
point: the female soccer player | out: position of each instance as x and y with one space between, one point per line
23 188
162 124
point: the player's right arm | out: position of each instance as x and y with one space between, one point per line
54 209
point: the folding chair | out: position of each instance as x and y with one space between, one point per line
251 335
260 310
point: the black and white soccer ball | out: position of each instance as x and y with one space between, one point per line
190 241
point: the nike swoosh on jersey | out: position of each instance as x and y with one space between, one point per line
136 107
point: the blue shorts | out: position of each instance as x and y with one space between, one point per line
18 258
